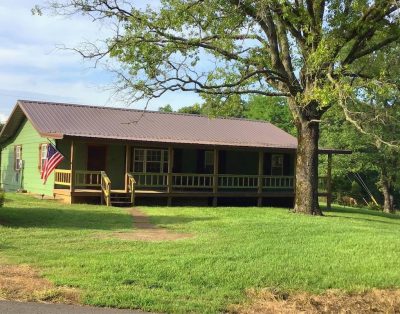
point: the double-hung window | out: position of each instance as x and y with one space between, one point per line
42 155
277 165
150 160
17 157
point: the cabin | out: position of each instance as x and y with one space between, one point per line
121 156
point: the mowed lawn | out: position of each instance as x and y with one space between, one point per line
233 249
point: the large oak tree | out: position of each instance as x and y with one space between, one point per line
304 50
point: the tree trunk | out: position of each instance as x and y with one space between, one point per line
388 206
306 199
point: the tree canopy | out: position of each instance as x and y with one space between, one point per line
274 110
372 129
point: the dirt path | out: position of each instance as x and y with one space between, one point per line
144 230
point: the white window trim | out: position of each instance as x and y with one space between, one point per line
18 157
144 161
41 154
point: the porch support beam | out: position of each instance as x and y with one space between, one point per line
127 165
260 177
170 172
215 177
329 183
72 168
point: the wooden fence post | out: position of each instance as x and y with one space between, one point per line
127 165
72 168
329 183
215 177
170 173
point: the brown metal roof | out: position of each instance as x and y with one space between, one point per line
58 120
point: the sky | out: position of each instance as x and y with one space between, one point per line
33 67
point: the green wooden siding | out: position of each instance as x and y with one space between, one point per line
80 152
29 177
116 165
185 160
238 162
115 160
188 160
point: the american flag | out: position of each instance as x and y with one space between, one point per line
53 158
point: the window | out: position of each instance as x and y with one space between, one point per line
138 160
42 155
209 159
17 157
150 160
277 165
153 161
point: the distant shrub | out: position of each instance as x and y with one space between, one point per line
373 206
1 198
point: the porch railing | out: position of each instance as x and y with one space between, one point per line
322 184
237 181
62 177
131 187
93 179
105 184
278 182
84 178
188 180
206 181
151 179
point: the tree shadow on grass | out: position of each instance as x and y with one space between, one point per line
367 214
64 218
4 247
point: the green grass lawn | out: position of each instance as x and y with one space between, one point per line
233 249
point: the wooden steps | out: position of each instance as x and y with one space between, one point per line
120 199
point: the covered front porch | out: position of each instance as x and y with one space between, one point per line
134 172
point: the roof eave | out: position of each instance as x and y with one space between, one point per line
19 106
178 142
56 136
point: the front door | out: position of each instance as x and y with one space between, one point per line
96 158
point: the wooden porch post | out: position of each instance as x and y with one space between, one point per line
329 183
215 177
127 165
72 168
260 177
170 171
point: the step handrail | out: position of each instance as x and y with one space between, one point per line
131 187
106 187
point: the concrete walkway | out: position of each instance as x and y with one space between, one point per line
13 307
